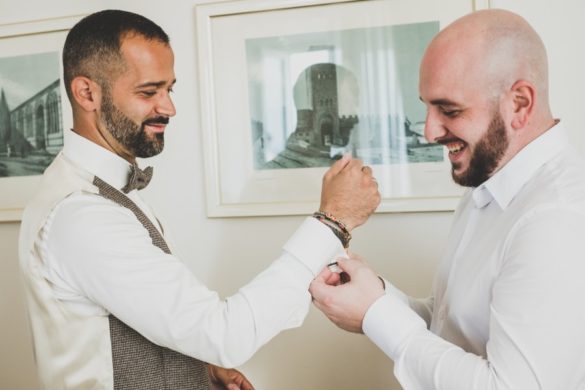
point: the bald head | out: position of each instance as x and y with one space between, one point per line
484 81
492 49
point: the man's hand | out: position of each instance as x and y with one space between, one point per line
228 379
350 192
346 304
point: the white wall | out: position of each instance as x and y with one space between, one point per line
226 253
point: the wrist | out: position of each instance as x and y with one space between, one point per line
339 215
338 228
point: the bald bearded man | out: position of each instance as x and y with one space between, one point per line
506 309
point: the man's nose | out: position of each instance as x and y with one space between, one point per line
434 127
165 106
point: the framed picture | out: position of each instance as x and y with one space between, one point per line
33 107
484 4
302 83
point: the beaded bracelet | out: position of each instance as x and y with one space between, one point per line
331 218
337 227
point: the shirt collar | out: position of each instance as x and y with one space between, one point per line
97 160
507 182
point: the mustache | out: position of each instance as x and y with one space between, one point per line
158 120
446 140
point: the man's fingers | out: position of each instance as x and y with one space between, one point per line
339 165
320 290
247 385
349 265
333 279
367 170
355 164
324 275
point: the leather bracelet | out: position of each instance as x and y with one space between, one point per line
331 218
336 226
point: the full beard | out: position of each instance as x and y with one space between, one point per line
486 155
129 134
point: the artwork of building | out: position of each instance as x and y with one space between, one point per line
33 127
321 126
320 129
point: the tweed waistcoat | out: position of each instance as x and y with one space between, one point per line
138 363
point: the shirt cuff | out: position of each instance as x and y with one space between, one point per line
314 245
389 323
389 288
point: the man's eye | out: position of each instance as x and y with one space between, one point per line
148 93
451 113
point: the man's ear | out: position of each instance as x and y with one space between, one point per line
523 96
86 93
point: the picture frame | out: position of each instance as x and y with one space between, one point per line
34 110
483 4
246 174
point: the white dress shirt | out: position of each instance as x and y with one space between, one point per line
507 308
99 259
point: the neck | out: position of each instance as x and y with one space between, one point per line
99 135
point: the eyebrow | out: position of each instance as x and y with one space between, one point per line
441 102
156 84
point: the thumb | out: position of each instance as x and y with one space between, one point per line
324 275
340 164
319 290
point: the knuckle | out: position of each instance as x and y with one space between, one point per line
327 302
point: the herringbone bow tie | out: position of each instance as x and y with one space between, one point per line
138 178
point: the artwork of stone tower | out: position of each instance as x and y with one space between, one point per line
325 109
317 97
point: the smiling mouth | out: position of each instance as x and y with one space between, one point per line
156 125
455 147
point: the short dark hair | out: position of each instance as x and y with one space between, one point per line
92 47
